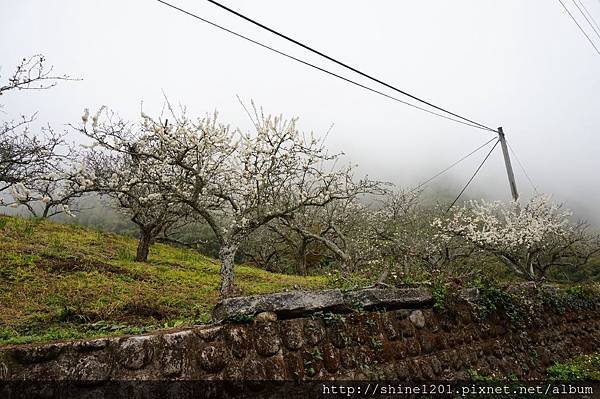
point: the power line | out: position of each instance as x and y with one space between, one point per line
347 66
452 165
472 177
579 26
590 15
319 68
586 18
522 168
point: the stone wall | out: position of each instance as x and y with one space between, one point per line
404 344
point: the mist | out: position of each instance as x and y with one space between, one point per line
522 65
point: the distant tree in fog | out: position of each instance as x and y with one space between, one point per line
36 170
529 238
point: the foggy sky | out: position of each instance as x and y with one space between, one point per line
520 64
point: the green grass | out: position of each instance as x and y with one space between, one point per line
580 368
61 281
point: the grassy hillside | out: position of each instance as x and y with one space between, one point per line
62 281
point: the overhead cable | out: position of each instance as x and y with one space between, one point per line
522 168
585 15
320 68
579 26
347 66
472 177
452 165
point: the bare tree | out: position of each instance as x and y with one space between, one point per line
266 248
32 74
276 247
343 226
33 167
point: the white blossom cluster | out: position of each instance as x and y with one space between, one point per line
529 238
47 181
509 225
235 181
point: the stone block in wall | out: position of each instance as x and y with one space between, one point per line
234 371
427 369
267 339
284 304
348 358
239 339
414 370
388 351
402 371
436 365
427 342
209 333
338 335
441 342
331 357
406 328
398 349
254 370
174 358
91 368
292 333
275 368
362 328
417 318
431 320
294 366
32 354
389 372
136 352
213 357
389 298
91 345
312 360
314 332
389 325
413 347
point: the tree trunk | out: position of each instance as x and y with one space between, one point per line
227 258
143 246
532 275
301 257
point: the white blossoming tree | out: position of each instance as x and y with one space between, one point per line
237 182
41 176
529 238
273 173
50 193
23 156
118 164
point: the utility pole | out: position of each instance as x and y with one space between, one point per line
509 170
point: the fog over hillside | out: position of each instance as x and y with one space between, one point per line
522 65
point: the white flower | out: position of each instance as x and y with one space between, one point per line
85 116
